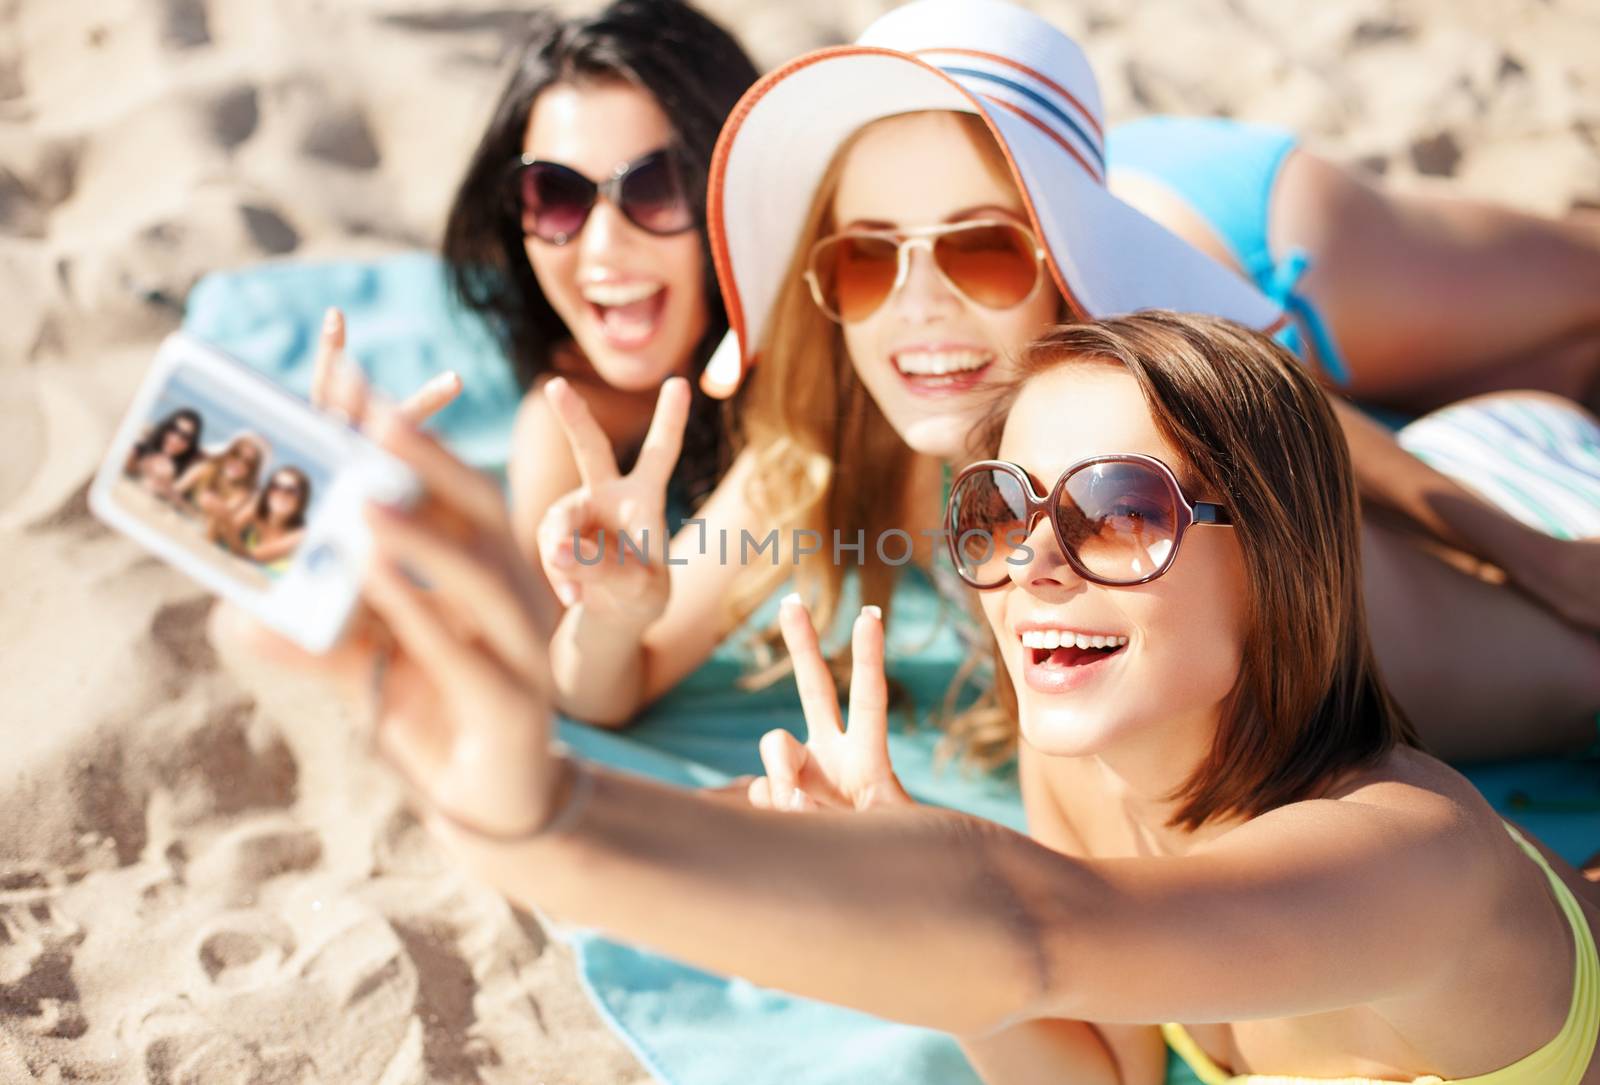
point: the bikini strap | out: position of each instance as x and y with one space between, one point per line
1281 280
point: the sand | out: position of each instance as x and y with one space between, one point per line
200 879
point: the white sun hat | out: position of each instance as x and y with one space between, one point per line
1032 87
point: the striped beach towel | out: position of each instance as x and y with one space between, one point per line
1535 456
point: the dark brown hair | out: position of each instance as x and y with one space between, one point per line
695 71
263 499
1255 430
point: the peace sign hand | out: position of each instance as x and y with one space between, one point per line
604 545
837 768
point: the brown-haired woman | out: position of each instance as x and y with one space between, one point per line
578 233
1231 824
269 529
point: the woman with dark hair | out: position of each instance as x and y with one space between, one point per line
579 232
166 452
268 530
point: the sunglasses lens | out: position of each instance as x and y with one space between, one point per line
994 265
553 201
854 273
653 197
1119 519
987 520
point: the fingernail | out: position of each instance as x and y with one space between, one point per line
790 600
797 800
330 320
873 612
567 593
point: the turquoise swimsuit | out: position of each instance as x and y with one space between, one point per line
1225 170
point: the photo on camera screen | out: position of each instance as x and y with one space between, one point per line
216 483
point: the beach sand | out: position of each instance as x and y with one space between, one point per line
201 880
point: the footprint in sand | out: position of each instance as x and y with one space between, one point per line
179 1046
1437 155
185 24
327 991
234 114
341 136
36 950
244 949
238 865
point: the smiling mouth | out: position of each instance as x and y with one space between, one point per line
628 313
1065 648
955 369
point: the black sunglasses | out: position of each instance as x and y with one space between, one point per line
553 201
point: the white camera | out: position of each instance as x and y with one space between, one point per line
248 489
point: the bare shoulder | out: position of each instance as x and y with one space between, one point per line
541 468
1410 818
538 443
536 419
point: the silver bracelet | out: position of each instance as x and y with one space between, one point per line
559 820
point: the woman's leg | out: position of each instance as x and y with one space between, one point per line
1483 672
1431 297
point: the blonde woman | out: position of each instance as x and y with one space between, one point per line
223 485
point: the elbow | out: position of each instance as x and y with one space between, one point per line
613 722
1019 892
614 716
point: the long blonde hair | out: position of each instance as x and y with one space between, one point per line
212 479
803 412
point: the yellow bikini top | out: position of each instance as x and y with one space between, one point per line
1562 1061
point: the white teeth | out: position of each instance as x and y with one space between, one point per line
609 294
1066 638
936 363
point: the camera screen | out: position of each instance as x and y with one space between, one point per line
210 479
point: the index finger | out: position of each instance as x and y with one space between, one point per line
658 456
591 448
330 344
819 699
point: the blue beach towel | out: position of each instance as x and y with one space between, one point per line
688 1027
402 328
